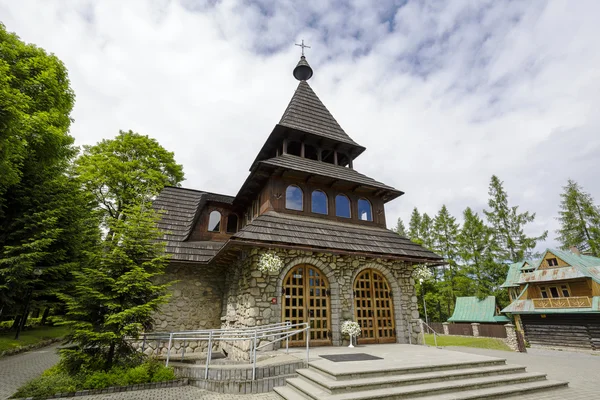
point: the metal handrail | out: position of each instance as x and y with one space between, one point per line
433 330
273 332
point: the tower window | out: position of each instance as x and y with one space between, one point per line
365 212
214 222
232 223
319 202
342 206
293 198
311 152
294 148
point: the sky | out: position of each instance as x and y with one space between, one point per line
442 94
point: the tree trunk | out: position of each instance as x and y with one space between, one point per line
110 356
45 315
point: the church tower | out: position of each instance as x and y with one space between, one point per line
305 204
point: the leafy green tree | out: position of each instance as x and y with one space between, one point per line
579 220
445 232
126 171
508 225
414 226
477 249
35 105
43 216
116 294
400 228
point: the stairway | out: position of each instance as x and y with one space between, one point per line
461 380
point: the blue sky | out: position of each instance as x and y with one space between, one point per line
442 94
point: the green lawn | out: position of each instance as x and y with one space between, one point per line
30 336
482 343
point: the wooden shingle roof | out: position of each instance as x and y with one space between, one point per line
179 210
320 168
307 113
286 229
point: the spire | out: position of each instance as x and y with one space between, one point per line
303 71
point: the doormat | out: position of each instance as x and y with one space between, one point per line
350 357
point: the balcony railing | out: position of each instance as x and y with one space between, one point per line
563 302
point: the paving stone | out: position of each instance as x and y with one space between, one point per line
18 369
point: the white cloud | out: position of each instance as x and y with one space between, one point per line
443 95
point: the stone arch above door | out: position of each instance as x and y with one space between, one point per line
399 317
333 285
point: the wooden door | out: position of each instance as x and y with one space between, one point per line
306 299
374 308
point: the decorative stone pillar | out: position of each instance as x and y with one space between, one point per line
475 326
511 337
446 329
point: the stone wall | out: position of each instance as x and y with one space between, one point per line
196 298
250 293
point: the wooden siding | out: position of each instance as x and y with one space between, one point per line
200 231
595 288
544 264
272 198
577 288
570 330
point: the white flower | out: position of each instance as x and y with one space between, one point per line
269 262
351 328
422 273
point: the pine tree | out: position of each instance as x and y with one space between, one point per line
426 229
579 220
400 228
477 248
508 225
445 232
414 226
116 294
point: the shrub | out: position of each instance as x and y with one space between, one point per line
163 374
136 375
47 385
104 379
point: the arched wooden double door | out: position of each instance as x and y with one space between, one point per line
306 298
374 308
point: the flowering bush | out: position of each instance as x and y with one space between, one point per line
351 328
269 262
421 272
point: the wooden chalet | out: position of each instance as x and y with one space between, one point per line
556 299
303 201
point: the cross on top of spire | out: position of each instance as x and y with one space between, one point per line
303 46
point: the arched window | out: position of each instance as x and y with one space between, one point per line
293 198
319 202
365 212
214 222
232 223
342 206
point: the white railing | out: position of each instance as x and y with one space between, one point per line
272 333
432 330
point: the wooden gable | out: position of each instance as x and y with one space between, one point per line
550 260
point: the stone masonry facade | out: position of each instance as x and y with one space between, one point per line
209 297
250 292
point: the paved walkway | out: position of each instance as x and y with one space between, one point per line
581 370
18 369
180 393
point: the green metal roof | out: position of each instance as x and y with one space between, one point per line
526 307
471 309
512 278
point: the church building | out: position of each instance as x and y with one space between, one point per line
304 205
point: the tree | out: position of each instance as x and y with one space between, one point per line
579 220
43 218
445 243
126 171
414 226
426 230
477 249
508 224
115 295
35 105
400 229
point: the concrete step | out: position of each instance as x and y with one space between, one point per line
312 391
377 371
289 393
501 392
343 386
